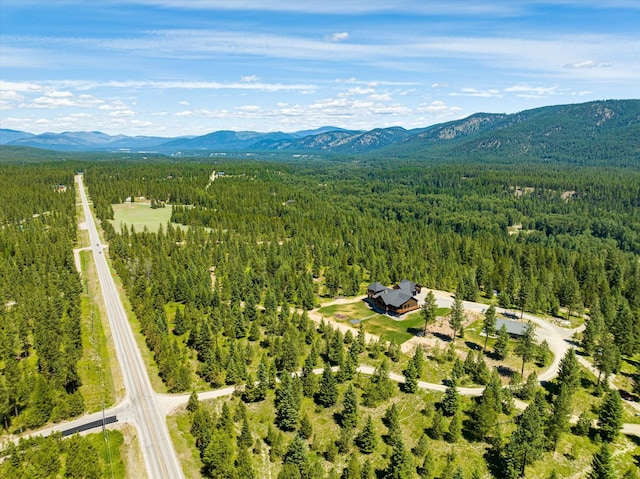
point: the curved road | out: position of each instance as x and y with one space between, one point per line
147 409
157 449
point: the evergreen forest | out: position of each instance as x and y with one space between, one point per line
222 295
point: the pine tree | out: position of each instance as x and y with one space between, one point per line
457 371
610 416
427 471
410 378
327 394
606 357
368 472
501 346
245 439
450 401
418 359
202 428
225 421
179 323
349 414
456 316
286 405
528 390
240 412
526 345
380 387
400 464
469 364
254 331
83 460
602 464
594 326
455 427
488 325
366 440
569 372
306 428
250 391
193 403
353 469
421 447
309 380
528 440
217 459
345 440
437 426
297 454
391 419
560 414
244 465
428 310
487 409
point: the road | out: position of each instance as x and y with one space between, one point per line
147 410
157 449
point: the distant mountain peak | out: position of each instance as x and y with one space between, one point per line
575 132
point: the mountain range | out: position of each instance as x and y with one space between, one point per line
576 133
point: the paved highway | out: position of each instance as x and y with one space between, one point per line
159 456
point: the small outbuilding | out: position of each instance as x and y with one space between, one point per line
514 328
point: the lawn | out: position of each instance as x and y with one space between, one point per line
390 329
140 215
385 327
347 312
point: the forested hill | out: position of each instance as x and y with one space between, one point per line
596 133
588 133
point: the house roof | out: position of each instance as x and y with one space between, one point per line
394 297
407 285
513 327
376 287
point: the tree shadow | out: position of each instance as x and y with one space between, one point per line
442 337
472 345
505 371
416 331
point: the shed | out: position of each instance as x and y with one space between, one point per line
514 328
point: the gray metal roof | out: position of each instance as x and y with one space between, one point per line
394 297
376 287
513 327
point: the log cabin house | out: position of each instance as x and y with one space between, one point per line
394 301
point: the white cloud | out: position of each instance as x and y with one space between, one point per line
339 37
249 78
439 108
587 64
380 97
248 108
528 91
183 103
113 106
122 113
474 92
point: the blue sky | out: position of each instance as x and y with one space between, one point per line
188 67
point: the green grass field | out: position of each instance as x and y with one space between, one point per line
140 215
389 329
386 328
